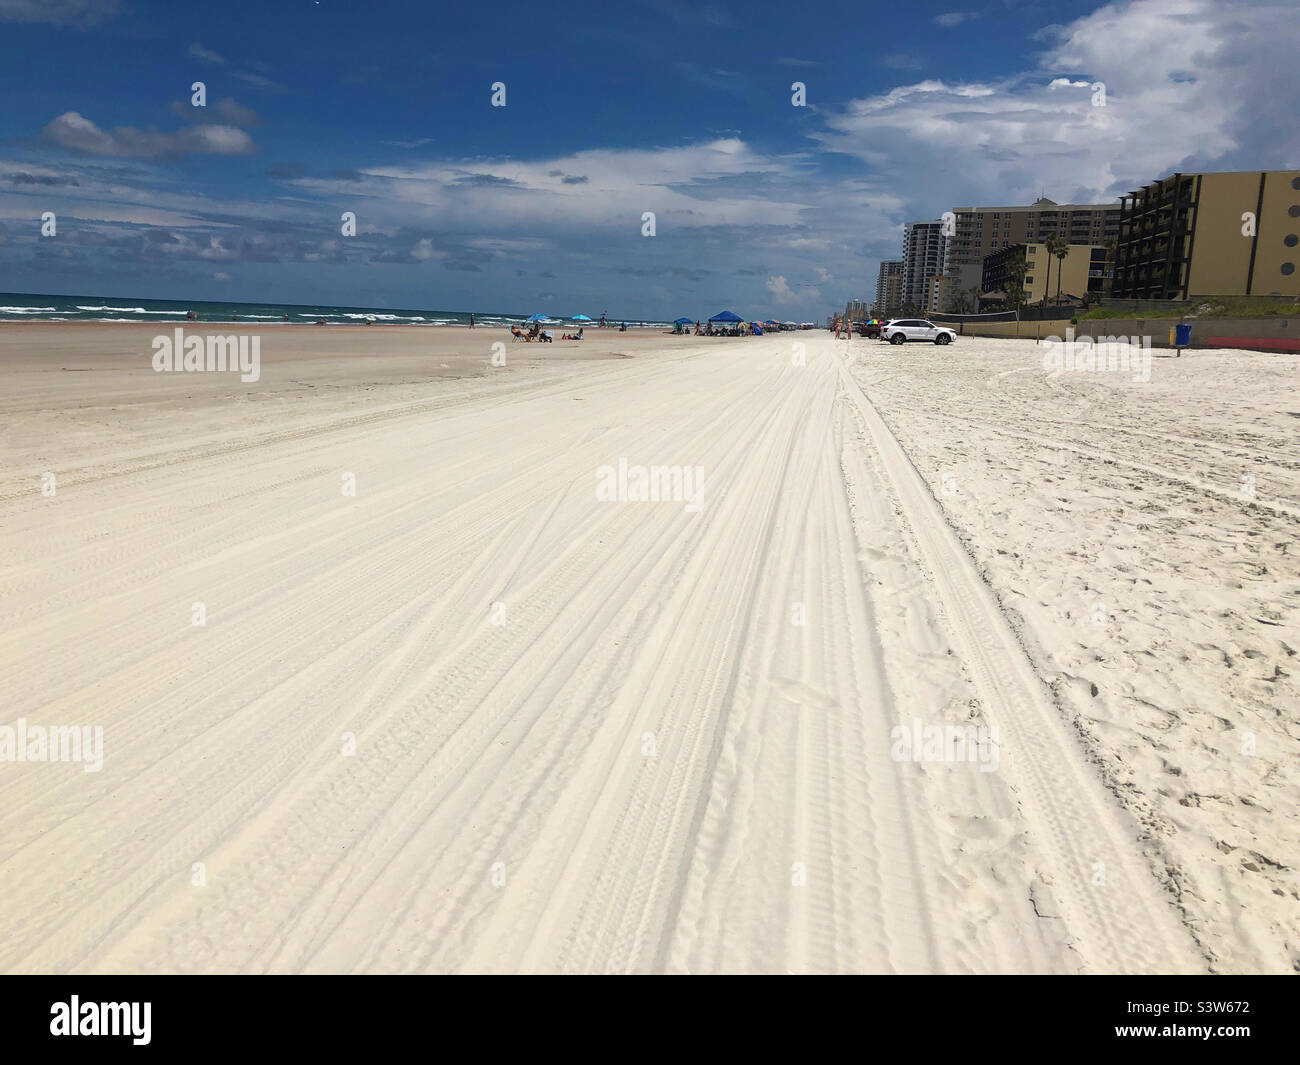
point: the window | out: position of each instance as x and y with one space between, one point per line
1029 279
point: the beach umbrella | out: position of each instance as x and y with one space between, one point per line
537 318
726 316
682 321
580 318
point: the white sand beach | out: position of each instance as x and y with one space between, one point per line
451 709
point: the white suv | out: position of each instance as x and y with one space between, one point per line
901 330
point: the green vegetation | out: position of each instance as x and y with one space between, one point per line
1212 307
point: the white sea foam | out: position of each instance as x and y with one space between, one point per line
128 310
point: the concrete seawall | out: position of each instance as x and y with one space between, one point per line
1264 334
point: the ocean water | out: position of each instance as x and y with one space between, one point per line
25 307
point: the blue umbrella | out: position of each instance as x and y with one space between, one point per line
537 318
726 316
682 321
580 318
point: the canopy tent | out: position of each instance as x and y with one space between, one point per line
726 316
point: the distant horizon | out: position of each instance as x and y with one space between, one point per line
318 307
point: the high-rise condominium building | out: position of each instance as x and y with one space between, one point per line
1228 234
923 257
1047 276
980 230
889 288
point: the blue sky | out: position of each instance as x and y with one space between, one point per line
612 110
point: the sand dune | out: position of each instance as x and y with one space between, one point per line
474 717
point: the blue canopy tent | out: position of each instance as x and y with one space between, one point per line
726 316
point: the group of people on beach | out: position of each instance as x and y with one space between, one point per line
536 332
740 329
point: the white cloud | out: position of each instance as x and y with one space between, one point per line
224 111
781 291
689 187
1188 82
72 130
206 55
779 288
949 19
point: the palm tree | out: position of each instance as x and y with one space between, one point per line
1062 253
1016 271
1060 247
1047 284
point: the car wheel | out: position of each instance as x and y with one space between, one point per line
897 338
942 338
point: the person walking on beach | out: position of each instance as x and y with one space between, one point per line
471 320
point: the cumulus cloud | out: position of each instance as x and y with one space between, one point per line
72 130
1003 141
779 289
